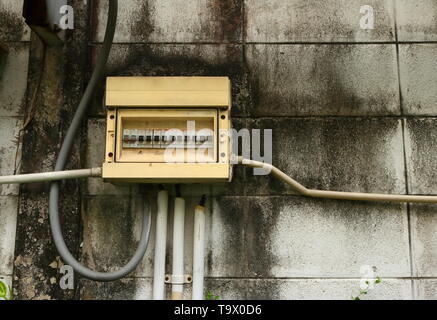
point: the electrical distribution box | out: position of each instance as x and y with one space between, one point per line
168 129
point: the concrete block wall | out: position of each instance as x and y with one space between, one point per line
350 109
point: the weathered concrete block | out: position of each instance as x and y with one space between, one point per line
342 154
9 128
329 289
13 26
124 289
13 80
425 289
301 237
225 254
173 21
8 225
418 74
305 289
420 148
416 20
322 20
112 227
323 80
424 239
179 60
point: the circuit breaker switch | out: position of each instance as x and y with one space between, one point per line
157 138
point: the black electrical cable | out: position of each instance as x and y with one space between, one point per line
55 224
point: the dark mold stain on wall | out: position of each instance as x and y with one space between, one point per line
36 267
109 241
124 289
179 60
144 27
308 80
228 19
422 160
232 216
343 154
12 27
261 217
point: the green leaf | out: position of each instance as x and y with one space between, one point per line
3 290
378 280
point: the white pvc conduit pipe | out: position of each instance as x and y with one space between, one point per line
178 249
198 252
51 176
160 244
327 194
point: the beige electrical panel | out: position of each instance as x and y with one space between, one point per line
168 129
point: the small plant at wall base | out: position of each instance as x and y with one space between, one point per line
210 296
363 292
5 291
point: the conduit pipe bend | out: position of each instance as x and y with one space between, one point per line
55 224
356 196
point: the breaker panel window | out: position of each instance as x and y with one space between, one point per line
166 136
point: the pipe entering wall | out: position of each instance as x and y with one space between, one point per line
160 244
199 251
178 248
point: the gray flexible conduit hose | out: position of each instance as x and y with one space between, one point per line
55 224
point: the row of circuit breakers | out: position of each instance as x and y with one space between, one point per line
156 139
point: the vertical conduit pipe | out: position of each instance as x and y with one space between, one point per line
199 251
178 249
160 244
